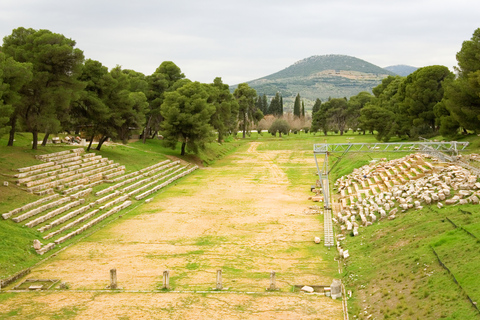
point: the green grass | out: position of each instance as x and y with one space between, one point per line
393 266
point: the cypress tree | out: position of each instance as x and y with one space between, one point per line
296 106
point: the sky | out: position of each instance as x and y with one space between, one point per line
245 40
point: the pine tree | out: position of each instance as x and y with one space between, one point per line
316 106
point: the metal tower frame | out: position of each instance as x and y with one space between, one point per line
324 149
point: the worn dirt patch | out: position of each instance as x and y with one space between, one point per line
238 216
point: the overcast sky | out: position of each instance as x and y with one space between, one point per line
245 40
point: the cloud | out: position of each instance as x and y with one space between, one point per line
241 41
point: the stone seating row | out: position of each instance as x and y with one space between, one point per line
66 217
137 176
72 224
158 187
54 213
56 168
143 172
80 230
76 179
41 209
94 222
29 206
156 179
62 158
46 157
148 179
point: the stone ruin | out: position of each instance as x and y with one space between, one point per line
381 190
68 205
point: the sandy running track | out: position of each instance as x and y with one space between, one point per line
238 216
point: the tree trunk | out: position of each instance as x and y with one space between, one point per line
13 125
183 148
100 143
244 124
35 140
91 141
154 134
44 142
145 131
220 137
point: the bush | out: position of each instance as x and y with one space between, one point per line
280 126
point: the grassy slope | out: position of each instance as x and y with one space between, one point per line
16 251
393 272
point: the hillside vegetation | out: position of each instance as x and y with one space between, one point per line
335 76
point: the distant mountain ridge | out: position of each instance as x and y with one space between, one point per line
325 76
401 69
318 64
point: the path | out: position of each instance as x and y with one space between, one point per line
238 216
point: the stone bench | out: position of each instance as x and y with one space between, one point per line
93 222
81 194
38 174
107 197
40 181
45 157
72 224
113 175
54 213
114 202
144 181
29 206
156 179
65 218
127 176
36 167
68 160
91 166
40 209
158 187
150 168
64 158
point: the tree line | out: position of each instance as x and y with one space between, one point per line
47 86
430 101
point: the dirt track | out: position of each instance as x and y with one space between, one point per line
238 216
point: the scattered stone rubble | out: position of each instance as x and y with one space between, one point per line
382 190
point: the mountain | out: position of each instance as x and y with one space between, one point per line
335 76
401 69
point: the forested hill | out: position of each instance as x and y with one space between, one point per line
319 65
335 76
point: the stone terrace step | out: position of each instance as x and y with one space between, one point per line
29 206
